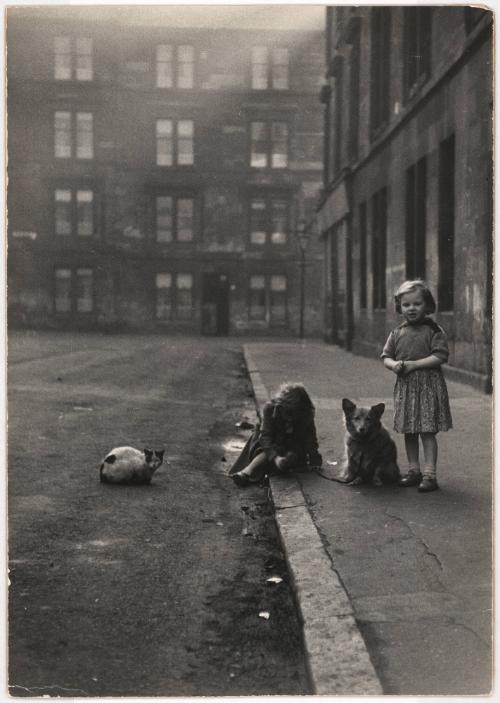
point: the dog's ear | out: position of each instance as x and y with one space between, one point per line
348 406
148 454
378 410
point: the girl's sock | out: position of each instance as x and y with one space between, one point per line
413 467
429 471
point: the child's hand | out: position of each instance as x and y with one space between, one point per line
398 367
408 367
280 462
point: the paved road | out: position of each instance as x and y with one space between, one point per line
139 590
417 568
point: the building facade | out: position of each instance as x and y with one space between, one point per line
408 175
158 176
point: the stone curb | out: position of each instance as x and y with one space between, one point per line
337 659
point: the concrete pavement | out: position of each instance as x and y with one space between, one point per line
394 587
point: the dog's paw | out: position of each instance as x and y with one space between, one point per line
356 481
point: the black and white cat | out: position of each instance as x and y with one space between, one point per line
130 466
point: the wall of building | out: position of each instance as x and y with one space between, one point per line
455 100
125 103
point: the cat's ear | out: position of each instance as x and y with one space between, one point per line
160 454
148 453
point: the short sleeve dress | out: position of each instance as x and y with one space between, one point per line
421 402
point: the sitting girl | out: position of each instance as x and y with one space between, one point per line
285 441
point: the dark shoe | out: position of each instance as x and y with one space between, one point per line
428 484
411 479
241 479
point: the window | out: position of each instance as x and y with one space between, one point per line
353 127
416 177
74 212
73 135
74 290
446 233
278 299
270 69
417 47
62 300
269 146
280 69
163 296
84 290
268 299
257 305
268 221
380 68
175 64
338 137
174 219
379 248
174 296
362 257
73 58
174 142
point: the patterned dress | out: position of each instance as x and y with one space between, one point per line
421 402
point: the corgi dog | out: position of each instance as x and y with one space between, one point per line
127 465
370 453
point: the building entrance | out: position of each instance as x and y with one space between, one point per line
215 304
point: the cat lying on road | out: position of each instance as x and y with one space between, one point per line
127 465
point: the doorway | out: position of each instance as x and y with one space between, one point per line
215 305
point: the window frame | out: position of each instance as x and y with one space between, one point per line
74 135
73 208
175 139
380 63
74 55
264 74
269 200
269 141
175 217
416 219
73 289
417 48
379 220
266 294
175 297
175 62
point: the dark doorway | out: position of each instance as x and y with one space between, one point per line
215 306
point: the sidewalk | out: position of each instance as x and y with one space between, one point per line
394 586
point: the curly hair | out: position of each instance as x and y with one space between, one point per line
295 400
411 287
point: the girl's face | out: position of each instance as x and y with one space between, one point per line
413 306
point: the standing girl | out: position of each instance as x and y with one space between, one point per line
415 351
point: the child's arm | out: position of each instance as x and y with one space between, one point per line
430 362
393 365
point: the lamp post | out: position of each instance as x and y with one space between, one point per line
302 234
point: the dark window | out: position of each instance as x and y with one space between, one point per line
74 290
73 58
362 256
175 66
73 135
380 68
353 127
74 212
446 241
269 144
379 248
416 193
174 218
337 134
417 47
174 296
268 220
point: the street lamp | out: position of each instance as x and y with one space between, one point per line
302 234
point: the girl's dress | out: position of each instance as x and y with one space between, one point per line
421 402
273 439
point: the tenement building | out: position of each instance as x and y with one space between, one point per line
158 176
408 174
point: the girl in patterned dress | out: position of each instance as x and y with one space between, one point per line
415 351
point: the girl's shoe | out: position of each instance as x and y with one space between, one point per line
411 479
242 479
428 484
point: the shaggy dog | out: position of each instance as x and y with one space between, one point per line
370 453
